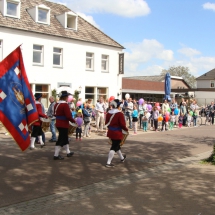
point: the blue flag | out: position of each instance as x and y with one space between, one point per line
17 107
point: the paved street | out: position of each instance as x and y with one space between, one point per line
161 175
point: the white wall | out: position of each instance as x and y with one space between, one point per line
74 61
203 83
204 94
204 97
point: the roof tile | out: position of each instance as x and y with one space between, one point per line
86 31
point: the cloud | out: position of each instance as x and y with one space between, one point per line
189 52
146 50
138 55
125 8
209 6
89 19
150 57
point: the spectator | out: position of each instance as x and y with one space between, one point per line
50 114
100 109
128 112
165 106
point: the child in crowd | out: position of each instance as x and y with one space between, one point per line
172 121
194 117
180 120
160 122
189 119
135 119
155 117
145 121
73 114
79 121
87 118
93 112
164 123
151 120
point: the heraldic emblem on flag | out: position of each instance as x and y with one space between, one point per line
17 106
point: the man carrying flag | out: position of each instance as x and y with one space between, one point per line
37 129
17 107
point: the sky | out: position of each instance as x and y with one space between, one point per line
156 34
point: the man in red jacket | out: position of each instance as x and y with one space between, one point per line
63 117
37 129
115 121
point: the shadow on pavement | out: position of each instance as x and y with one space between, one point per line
33 174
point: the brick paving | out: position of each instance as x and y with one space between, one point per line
39 204
33 182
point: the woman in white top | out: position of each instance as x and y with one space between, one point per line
165 106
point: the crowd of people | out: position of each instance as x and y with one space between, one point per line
112 117
152 115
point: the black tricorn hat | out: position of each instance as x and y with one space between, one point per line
115 103
37 95
64 94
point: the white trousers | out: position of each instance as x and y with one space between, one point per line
99 120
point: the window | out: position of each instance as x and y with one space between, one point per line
105 59
212 84
44 89
57 57
13 8
38 54
68 20
71 21
102 92
90 94
1 50
42 15
94 93
89 61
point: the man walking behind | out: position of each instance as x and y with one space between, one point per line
128 112
50 114
100 108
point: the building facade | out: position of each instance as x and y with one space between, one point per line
60 49
152 89
205 92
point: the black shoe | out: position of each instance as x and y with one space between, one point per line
109 165
41 146
31 148
123 160
58 157
52 141
70 154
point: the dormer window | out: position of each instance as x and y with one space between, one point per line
10 8
40 14
68 20
71 21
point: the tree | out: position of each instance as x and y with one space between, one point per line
54 93
183 72
76 96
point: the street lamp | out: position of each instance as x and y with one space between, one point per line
80 88
120 92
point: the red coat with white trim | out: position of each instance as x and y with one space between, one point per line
40 113
63 114
117 122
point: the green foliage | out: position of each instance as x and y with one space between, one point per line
183 72
211 159
76 96
54 93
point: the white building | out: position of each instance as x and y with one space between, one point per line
205 92
60 49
